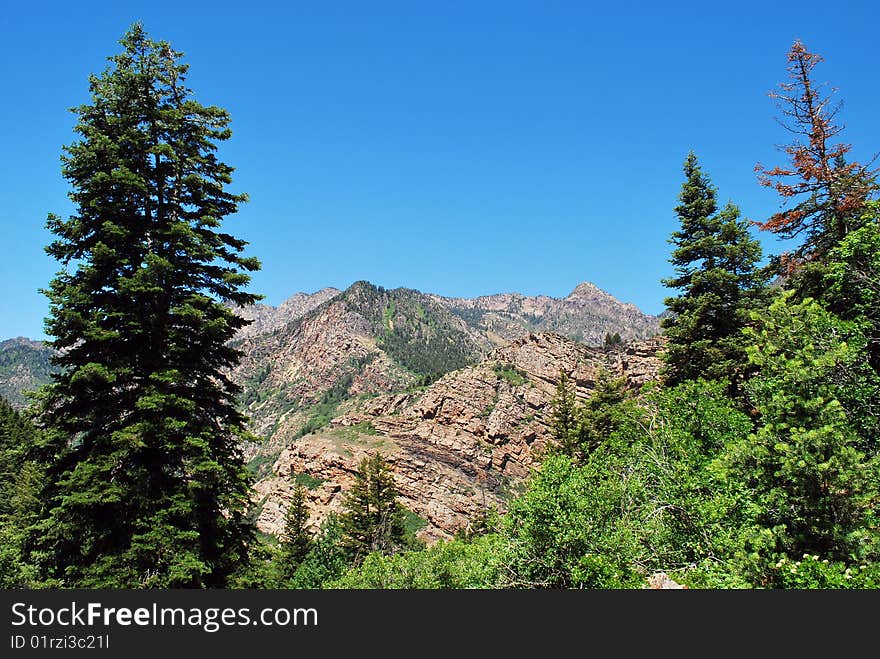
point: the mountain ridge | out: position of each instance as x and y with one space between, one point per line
587 314
455 392
411 340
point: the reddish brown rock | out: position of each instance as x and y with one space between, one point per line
463 445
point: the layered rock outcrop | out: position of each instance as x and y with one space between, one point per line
457 448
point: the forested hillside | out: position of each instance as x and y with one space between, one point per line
24 366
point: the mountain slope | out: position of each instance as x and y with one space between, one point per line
365 340
24 366
321 348
459 447
266 319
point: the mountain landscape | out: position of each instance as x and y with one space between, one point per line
316 349
587 314
454 392
458 447
395 438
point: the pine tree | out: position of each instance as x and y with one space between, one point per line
297 539
815 487
613 340
373 520
145 482
601 413
564 414
831 191
715 269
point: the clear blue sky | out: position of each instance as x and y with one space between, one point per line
462 148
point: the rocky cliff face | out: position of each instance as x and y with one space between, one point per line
320 349
586 314
363 341
458 447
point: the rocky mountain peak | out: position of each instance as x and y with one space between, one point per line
266 319
299 300
587 291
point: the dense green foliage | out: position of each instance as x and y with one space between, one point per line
144 482
851 280
715 270
19 482
806 464
475 563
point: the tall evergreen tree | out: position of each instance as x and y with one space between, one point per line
145 483
601 413
806 465
373 520
829 193
715 262
564 414
297 539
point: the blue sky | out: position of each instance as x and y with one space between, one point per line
462 148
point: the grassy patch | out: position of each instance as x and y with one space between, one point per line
510 373
308 481
413 522
352 433
388 316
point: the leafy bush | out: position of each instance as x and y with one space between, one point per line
812 572
475 563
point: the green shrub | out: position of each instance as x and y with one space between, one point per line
475 563
813 572
510 374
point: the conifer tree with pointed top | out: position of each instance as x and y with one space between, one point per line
829 193
374 519
716 273
564 413
145 484
297 539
